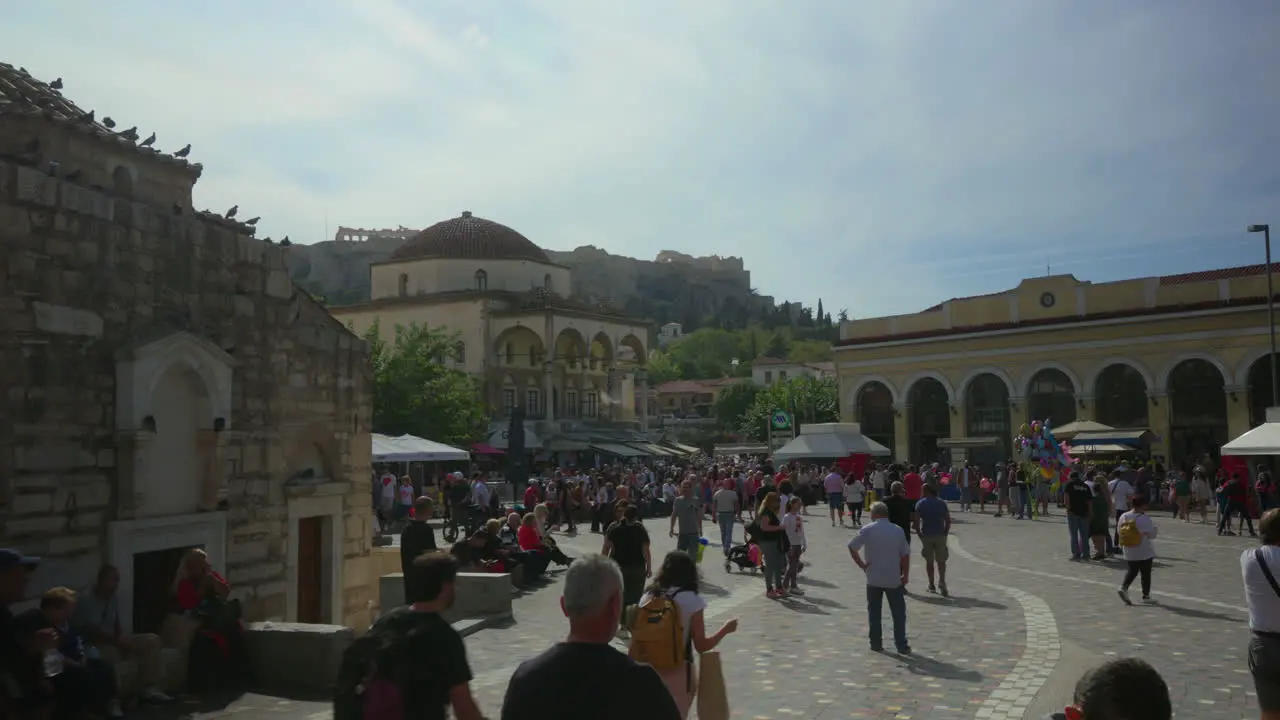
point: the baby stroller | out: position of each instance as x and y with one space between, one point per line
745 556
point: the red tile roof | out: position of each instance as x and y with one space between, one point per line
1044 322
1221 274
683 386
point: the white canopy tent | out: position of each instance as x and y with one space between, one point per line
829 440
1262 440
408 448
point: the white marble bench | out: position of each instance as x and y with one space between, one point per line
477 595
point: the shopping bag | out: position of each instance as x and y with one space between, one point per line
713 697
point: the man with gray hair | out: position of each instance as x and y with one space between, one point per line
887 565
584 676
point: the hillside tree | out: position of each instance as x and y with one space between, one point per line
415 391
809 400
733 403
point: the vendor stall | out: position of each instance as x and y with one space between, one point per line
829 441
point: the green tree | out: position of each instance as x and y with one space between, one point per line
778 346
415 393
733 402
809 351
662 368
810 400
821 318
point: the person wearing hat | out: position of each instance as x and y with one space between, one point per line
23 692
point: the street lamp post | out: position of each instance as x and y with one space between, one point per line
1271 311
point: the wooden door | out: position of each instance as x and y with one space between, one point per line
310 570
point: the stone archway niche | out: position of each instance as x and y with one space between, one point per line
173 398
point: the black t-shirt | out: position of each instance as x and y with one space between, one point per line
459 492
586 681
1079 498
431 662
900 509
764 490
769 534
416 539
14 659
628 541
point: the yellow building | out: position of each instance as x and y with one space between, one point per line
561 360
1183 355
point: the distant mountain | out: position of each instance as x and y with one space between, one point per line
674 287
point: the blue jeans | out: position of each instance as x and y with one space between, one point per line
688 543
1023 496
1078 529
897 611
726 531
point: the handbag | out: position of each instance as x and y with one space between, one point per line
713 697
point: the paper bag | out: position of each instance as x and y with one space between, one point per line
713 697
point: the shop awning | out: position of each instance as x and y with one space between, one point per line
1091 450
565 445
408 448
1114 437
759 449
688 449
500 438
619 450
655 450
1071 429
969 442
1262 440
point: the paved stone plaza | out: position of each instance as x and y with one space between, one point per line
1022 624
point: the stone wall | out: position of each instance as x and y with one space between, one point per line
86 274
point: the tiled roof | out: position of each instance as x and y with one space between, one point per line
1197 276
683 386
1220 274
1051 321
766 360
470 237
22 94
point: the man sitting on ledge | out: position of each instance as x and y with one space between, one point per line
97 619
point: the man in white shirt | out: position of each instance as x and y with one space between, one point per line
887 565
966 492
480 493
1121 492
878 480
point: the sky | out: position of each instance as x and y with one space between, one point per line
880 156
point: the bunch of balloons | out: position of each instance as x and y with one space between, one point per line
1039 450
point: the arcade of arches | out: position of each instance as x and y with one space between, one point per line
1195 404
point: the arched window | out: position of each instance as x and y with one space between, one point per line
546 281
1197 410
482 280
1051 396
1260 390
928 420
122 182
986 412
404 284
1121 397
875 413
460 352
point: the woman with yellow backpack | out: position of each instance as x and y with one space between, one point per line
1136 530
669 628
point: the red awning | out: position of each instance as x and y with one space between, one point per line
486 449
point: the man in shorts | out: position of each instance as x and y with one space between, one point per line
833 485
932 525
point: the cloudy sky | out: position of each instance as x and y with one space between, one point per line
880 155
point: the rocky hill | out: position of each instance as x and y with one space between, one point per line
674 287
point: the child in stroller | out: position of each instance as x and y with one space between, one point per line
746 556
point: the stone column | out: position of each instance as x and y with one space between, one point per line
901 442
131 453
1237 411
1158 414
1086 408
210 479
548 389
642 393
1017 411
610 386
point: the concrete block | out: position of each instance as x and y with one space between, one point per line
296 657
477 595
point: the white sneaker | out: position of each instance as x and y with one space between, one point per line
155 695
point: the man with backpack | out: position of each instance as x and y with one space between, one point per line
584 677
411 663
